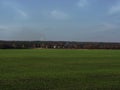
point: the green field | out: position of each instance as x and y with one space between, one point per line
47 69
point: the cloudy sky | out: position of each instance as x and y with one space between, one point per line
60 20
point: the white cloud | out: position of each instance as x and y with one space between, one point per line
21 12
16 8
82 3
115 9
59 14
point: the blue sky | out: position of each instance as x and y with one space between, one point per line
60 20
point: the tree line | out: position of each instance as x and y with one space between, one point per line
57 45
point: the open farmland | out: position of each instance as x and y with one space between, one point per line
48 69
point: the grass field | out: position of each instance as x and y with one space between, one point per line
44 69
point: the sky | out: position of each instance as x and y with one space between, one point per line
60 20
